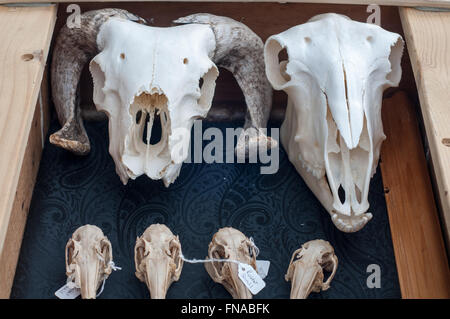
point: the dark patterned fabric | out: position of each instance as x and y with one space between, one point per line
278 211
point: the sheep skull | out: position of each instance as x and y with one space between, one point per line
141 73
335 75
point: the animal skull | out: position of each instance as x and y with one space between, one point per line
74 47
306 268
88 259
157 257
141 73
230 243
335 75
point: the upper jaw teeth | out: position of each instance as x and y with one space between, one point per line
350 224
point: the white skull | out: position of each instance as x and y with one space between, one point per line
157 257
141 73
88 259
306 268
230 243
335 75
156 71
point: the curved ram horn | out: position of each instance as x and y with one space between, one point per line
73 49
240 51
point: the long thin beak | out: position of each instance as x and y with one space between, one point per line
303 280
157 274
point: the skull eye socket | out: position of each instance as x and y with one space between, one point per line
326 256
172 251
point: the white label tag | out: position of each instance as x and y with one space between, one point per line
262 267
250 278
68 291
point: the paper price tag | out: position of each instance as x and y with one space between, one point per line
250 278
68 291
262 267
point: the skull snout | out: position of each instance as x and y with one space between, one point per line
348 173
158 271
305 280
242 292
90 280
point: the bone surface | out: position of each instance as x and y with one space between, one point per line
157 257
306 268
160 70
142 80
74 47
230 243
88 259
240 51
335 75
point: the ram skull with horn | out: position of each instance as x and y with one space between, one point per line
141 73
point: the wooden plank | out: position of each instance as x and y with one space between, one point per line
27 179
25 35
407 3
428 39
416 234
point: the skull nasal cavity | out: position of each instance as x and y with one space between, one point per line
156 129
341 193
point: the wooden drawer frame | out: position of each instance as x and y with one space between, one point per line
25 35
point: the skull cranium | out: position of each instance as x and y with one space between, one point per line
335 75
306 268
157 257
88 259
147 75
230 243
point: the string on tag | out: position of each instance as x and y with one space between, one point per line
197 261
113 267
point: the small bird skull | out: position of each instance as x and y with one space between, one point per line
306 268
230 243
157 257
88 259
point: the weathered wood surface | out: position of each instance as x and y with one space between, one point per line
427 36
25 35
407 3
416 233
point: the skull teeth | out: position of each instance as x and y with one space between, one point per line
350 224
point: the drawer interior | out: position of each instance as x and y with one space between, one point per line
278 210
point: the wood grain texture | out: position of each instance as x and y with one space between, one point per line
408 3
25 35
428 39
24 192
416 234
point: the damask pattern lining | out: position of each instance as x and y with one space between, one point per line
278 211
